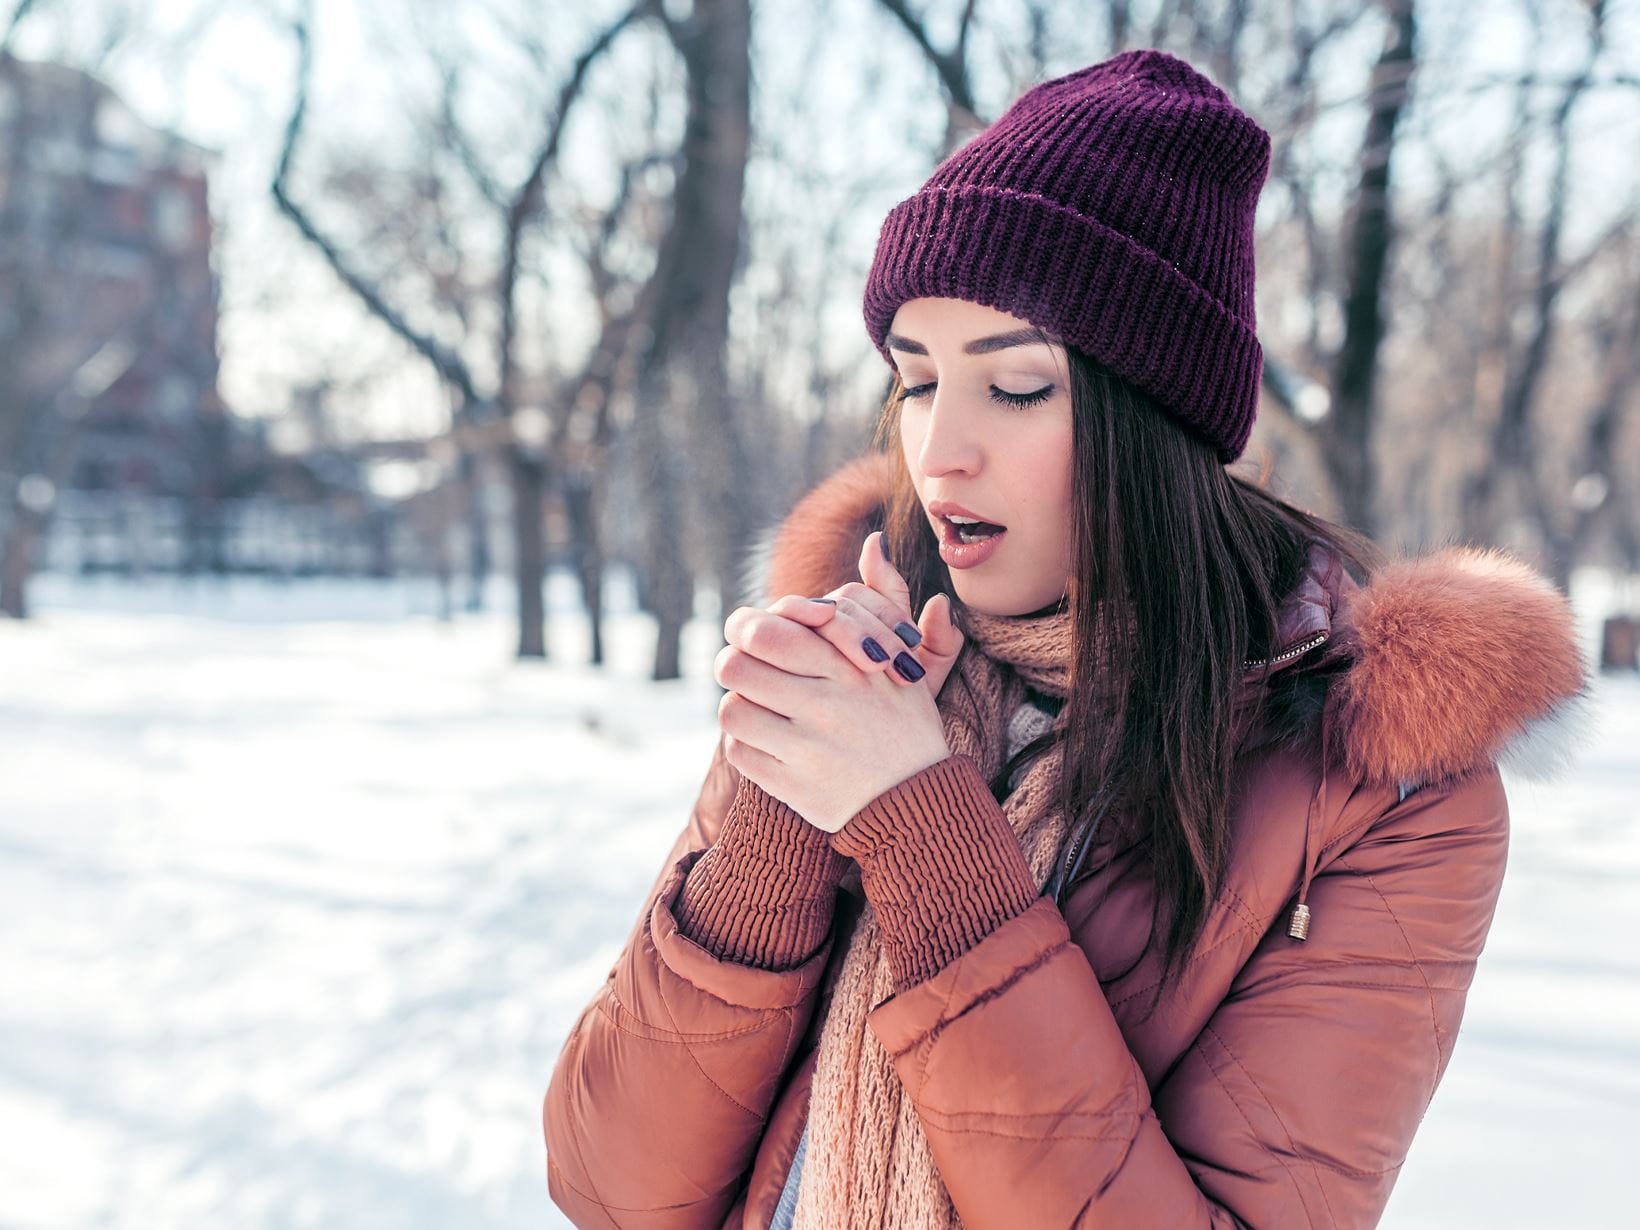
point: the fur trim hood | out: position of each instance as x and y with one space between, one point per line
1439 665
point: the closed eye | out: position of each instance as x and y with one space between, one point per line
1001 396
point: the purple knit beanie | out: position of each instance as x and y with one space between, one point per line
1112 207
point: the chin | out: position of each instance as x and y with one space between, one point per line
997 598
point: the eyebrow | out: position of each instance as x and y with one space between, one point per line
980 345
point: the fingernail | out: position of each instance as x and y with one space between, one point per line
908 633
827 601
908 668
874 651
882 541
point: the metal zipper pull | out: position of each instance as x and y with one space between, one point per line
1299 928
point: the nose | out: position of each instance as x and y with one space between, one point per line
949 443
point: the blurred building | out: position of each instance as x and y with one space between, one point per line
113 434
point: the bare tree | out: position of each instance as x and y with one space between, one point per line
1509 466
1606 492
1347 432
951 68
681 369
585 426
521 209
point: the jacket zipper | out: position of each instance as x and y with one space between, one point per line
1070 860
1293 651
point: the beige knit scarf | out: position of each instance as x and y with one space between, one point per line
867 1164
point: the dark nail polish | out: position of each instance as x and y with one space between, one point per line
827 601
908 668
882 541
908 633
874 651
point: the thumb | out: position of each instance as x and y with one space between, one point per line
939 628
942 640
882 576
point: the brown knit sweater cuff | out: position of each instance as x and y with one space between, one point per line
939 865
764 894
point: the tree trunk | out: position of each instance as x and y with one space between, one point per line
1620 644
582 492
478 530
529 475
668 582
1508 484
686 358
1346 436
15 563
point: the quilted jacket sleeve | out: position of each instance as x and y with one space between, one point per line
1296 1104
658 1098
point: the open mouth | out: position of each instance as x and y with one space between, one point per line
967 529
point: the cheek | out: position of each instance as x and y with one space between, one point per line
1048 466
910 438
910 445
1050 470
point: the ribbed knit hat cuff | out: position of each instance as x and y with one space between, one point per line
1018 252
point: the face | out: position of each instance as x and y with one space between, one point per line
986 425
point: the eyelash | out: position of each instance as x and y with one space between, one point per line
1019 400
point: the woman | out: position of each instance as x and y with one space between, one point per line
1140 881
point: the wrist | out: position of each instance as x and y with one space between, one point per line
764 893
940 865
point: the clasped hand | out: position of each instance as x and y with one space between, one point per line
816 719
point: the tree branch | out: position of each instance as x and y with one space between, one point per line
450 130
17 15
527 199
951 66
447 363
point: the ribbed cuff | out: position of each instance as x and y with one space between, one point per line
764 894
939 865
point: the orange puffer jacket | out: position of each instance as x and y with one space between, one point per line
1279 1085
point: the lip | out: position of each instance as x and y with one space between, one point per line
949 508
959 554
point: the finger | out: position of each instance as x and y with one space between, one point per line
942 641
882 578
778 691
941 636
779 641
877 572
810 612
779 638
755 765
868 639
750 723
894 617
862 636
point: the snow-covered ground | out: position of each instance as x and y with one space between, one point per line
301 889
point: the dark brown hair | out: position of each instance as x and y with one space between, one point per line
1200 559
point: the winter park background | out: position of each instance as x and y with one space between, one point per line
304 889
369 366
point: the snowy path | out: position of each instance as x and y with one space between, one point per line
303 890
